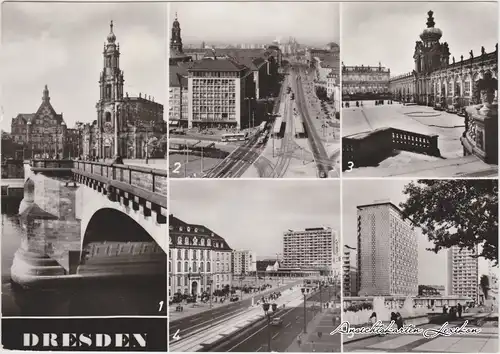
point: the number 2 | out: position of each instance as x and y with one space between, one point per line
177 167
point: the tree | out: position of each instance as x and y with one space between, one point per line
484 283
459 213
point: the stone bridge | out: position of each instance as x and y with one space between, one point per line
85 219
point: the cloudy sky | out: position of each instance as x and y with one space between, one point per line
386 32
432 267
61 45
254 214
257 22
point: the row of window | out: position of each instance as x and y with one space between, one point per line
214 109
214 74
218 95
214 116
198 268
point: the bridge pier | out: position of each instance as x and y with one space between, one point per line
50 243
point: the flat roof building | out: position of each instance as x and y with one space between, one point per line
463 272
387 251
313 248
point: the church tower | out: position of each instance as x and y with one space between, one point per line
110 98
176 40
176 52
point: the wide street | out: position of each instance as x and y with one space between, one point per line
189 324
282 336
484 342
323 162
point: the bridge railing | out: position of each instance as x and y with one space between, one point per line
149 179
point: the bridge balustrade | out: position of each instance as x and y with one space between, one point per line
149 179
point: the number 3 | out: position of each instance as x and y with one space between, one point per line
350 165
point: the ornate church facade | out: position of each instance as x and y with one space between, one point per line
437 82
125 126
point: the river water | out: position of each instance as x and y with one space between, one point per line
139 297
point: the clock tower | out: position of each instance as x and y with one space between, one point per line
110 99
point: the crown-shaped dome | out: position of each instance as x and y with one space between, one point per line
431 33
111 35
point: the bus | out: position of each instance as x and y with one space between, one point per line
234 137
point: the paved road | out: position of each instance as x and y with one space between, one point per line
198 321
320 156
257 338
238 161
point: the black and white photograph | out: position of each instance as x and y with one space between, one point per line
419 89
84 172
424 254
254 90
254 266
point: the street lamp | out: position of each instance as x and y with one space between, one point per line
305 313
265 307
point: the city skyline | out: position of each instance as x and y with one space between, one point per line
65 42
267 209
249 22
366 40
432 267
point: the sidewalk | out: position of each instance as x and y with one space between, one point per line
312 342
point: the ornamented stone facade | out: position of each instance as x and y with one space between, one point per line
437 81
199 259
125 125
42 134
365 82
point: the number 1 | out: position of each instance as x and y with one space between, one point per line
161 306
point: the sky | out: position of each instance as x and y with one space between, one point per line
253 214
61 45
387 32
432 266
258 22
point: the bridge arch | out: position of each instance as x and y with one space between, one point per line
112 225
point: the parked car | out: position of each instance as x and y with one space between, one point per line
277 321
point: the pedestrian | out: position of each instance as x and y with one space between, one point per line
299 341
459 310
373 318
399 321
394 317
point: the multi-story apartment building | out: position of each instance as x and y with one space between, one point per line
199 259
219 92
178 96
387 251
349 275
463 272
243 262
313 248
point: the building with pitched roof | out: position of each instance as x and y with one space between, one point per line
199 259
43 134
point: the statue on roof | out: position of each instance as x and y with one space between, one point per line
483 51
471 54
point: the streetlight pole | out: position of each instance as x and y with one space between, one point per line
305 313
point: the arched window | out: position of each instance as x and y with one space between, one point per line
202 267
107 116
169 268
179 267
186 267
179 254
186 254
208 267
